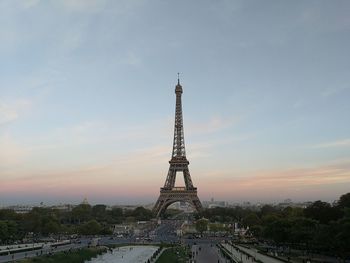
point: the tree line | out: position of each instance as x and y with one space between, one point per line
83 219
320 227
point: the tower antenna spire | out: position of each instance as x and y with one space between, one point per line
178 78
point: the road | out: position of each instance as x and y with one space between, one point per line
237 255
206 253
252 252
166 231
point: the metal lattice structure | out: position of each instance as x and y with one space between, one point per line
169 193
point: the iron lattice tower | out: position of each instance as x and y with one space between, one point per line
169 193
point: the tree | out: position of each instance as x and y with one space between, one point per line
117 212
90 228
302 230
344 201
8 231
342 237
51 227
293 212
115 216
9 214
256 230
82 213
278 230
216 227
32 220
251 220
268 210
99 212
322 212
12 229
3 231
140 213
202 225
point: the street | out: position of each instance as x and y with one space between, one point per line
206 253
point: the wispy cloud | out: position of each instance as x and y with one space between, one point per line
334 90
95 6
82 5
7 114
276 183
211 125
332 144
11 152
29 3
132 59
10 111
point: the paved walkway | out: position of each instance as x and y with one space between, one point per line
206 253
237 255
255 254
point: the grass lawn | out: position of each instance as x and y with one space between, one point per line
174 255
70 257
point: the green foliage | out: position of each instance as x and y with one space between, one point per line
217 227
8 214
202 225
82 213
268 210
293 212
42 220
9 230
140 214
256 230
174 255
223 214
342 237
83 219
90 228
344 201
323 212
4 233
251 219
301 230
277 230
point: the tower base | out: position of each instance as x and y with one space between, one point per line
176 194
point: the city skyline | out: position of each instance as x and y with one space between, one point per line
87 99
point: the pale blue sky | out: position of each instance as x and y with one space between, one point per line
87 98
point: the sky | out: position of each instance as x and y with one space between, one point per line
87 99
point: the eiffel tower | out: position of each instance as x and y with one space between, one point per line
169 193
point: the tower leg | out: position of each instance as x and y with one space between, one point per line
168 197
